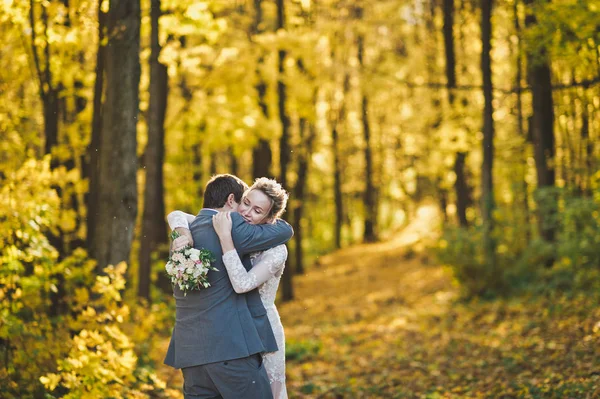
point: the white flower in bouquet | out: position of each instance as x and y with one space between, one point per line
194 254
170 267
178 257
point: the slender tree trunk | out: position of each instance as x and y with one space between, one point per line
213 163
304 153
571 163
337 172
487 188
337 188
93 150
461 187
588 149
521 120
261 154
539 77
284 147
300 190
49 95
233 162
442 198
449 49
154 228
198 168
117 205
262 159
48 91
369 234
436 101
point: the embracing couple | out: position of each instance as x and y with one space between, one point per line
228 338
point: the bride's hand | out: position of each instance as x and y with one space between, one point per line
222 224
185 239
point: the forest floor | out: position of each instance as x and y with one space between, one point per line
384 321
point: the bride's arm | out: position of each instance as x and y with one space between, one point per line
180 219
242 280
180 222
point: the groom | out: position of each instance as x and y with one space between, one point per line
219 335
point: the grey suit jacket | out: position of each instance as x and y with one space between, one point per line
216 324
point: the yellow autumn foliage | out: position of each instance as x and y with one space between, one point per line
61 326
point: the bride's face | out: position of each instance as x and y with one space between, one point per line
255 207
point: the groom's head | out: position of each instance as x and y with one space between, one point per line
224 191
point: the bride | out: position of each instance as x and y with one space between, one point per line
264 202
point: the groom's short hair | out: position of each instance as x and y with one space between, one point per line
219 187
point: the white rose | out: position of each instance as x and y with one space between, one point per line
202 267
194 254
170 267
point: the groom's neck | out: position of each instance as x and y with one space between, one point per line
223 209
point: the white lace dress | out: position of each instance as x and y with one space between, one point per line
267 268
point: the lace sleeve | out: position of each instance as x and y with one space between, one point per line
270 263
180 219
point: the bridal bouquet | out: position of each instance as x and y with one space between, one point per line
189 267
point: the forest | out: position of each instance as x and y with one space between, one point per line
442 159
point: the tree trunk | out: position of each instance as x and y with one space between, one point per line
337 173
234 165
461 188
436 122
213 163
49 95
521 120
588 149
198 175
539 77
337 188
48 91
117 205
304 155
369 234
487 187
261 153
370 194
449 49
95 141
284 148
262 158
300 189
154 228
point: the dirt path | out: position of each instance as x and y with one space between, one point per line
382 320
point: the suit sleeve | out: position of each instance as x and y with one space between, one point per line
249 238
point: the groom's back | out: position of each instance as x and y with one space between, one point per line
205 237
213 324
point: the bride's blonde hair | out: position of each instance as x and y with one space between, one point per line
276 194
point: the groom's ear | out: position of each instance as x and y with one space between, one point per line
231 200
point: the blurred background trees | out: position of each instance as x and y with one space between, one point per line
113 113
